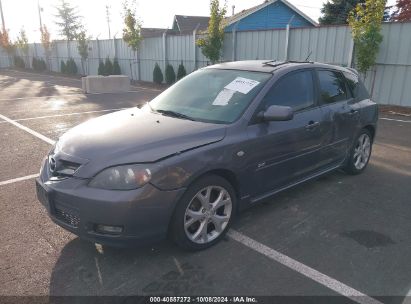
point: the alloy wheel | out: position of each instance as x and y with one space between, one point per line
362 151
207 214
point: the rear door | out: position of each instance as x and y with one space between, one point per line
340 114
282 152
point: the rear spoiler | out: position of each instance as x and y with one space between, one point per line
353 70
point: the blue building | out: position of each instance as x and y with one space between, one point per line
272 14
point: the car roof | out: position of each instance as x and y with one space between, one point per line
269 66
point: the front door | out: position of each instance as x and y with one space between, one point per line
282 152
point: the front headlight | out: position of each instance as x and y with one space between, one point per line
126 177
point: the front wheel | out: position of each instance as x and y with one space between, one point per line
360 153
204 213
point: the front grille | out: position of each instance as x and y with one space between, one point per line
67 217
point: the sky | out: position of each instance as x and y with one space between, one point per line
153 13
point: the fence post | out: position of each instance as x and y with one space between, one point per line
57 57
287 38
98 50
350 53
195 47
115 47
164 51
234 55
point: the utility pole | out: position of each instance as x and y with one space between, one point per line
108 21
40 10
2 17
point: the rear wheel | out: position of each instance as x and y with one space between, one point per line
360 153
204 213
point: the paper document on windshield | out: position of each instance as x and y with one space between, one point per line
223 98
242 85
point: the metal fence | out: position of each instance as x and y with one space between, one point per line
389 81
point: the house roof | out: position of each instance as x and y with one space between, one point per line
237 17
190 23
148 32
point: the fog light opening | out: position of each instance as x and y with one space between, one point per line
106 229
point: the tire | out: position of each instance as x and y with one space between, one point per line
360 153
198 223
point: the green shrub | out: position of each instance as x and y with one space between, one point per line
71 67
116 67
157 74
170 74
34 64
38 64
181 73
108 67
63 67
19 62
101 68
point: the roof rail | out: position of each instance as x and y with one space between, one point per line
275 63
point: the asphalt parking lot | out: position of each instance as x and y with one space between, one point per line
338 235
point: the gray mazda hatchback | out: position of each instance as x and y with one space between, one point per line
220 140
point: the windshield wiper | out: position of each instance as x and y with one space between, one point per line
175 114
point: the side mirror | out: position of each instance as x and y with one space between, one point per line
277 113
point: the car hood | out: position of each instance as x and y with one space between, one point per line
132 136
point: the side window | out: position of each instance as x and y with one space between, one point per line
356 86
332 86
295 90
352 82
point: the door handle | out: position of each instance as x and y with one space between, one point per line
352 112
312 125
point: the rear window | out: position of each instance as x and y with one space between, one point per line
356 86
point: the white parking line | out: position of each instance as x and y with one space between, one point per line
399 120
73 79
28 130
42 75
68 114
66 95
305 270
19 179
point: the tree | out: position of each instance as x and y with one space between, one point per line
116 67
132 26
337 11
82 47
212 44
68 20
22 43
101 68
170 74
46 42
403 12
5 42
157 74
181 73
108 67
365 22
63 67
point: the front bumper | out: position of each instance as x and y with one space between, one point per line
144 214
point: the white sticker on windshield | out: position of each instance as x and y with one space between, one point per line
223 98
242 85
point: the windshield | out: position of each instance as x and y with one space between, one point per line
211 95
